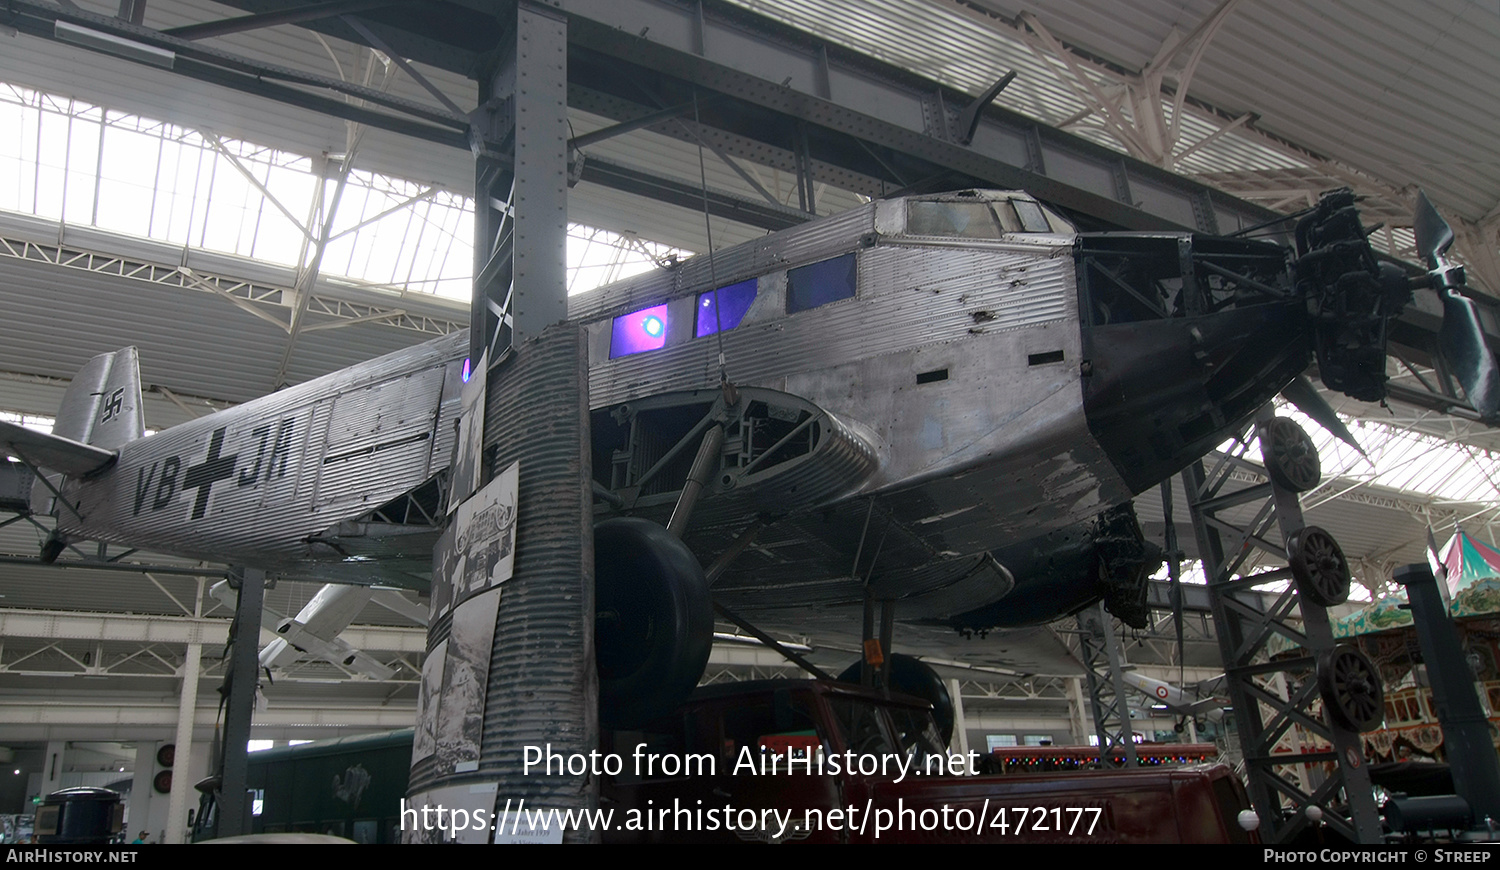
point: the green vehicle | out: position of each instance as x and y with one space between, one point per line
349 787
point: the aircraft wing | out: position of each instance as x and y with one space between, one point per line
397 603
222 593
54 452
331 610
334 651
315 630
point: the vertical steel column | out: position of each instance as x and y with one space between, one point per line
960 741
1344 800
187 709
541 688
138 802
520 138
543 684
1077 715
805 180
187 712
52 766
1099 648
1466 730
244 670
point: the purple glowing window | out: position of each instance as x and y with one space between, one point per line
638 332
724 308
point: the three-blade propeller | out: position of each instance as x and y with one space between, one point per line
1461 337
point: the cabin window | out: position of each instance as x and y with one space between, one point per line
724 308
809 287
638 332
968 220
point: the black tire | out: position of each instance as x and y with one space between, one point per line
912 676
653 623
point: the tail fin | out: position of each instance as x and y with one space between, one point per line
101 409
102 406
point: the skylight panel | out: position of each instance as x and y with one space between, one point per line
68 160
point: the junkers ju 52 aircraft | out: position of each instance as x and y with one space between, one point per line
945 401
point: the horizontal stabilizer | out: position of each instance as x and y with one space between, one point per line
54 452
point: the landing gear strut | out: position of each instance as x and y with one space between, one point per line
912 676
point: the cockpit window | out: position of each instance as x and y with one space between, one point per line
724 308
968 220
1032 219
976 220
808 287
638 332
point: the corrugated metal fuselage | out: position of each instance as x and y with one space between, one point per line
957 362
261 483
924 433
957 359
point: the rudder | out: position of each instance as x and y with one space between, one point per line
102 406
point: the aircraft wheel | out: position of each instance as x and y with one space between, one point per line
1291 457
1319 566
911 676
1351 690
653 620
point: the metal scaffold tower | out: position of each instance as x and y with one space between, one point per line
1099 649
1299 706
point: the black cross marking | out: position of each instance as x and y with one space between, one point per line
204 475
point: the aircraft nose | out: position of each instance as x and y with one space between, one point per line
1160 393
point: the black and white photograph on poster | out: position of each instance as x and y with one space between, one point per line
415 831
445 565
423 743
470 446
459 722
465 818
486 536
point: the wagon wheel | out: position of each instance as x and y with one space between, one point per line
1291 457
1319 566
1350 686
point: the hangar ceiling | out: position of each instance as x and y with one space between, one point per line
1286 100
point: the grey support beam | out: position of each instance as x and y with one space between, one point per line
281 83
239 685
293 15
142 628
862 99
756 213
521 186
